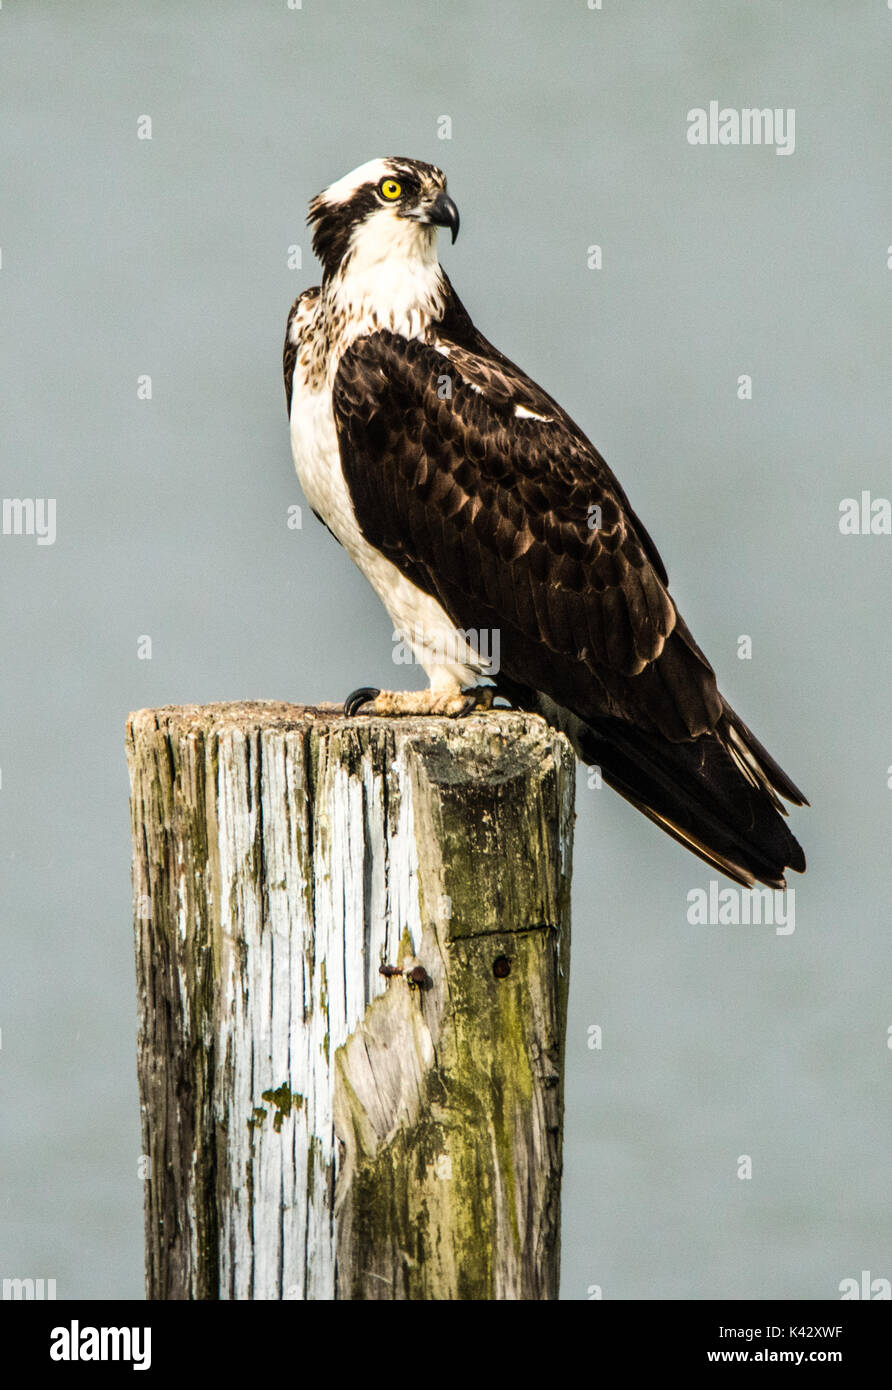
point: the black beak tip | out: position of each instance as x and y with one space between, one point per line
444 213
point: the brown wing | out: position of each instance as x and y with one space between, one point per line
516 523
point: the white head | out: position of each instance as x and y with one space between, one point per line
387 209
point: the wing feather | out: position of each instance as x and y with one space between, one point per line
496 512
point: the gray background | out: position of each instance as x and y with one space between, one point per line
169 257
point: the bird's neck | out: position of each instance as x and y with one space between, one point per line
391 281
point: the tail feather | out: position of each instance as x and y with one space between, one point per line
719 794
771 775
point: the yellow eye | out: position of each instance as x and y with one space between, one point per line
390 189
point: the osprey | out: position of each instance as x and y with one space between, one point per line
475 505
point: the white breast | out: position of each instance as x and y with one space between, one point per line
448 662
391 279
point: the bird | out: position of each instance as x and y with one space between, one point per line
479 510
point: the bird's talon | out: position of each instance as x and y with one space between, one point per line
363 696
477 697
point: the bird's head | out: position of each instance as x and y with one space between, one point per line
386 208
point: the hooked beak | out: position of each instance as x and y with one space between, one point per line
443 213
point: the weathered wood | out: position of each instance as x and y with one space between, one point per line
318 1129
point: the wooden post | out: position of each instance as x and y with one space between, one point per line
317 1128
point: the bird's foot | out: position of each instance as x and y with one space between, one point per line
455 704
